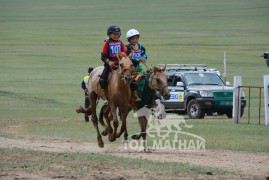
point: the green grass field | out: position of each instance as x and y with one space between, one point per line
47 46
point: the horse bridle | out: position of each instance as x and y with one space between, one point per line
125 79
124 70
159 88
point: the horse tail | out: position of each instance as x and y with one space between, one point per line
101 115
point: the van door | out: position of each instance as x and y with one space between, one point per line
176 88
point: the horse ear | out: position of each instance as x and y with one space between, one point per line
163 69
131 55
119 55
155 69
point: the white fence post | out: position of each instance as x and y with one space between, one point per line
266 99
237 99
224 64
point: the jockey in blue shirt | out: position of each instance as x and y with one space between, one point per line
139 52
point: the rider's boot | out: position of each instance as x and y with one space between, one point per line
135 96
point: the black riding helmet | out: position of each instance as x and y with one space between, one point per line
113 29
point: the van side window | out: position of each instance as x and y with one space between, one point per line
177 79
170 81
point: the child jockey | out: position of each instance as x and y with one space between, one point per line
111 47
139 52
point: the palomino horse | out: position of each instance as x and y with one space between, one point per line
118 92
154 82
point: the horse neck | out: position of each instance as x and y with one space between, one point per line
152 95
119 82
150 78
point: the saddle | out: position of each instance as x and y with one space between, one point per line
136 78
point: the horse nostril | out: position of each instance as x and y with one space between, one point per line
127 80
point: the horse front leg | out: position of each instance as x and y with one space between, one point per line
124 113
112 137
125 141
143 125
93 99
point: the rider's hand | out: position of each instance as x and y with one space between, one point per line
142 60
112 65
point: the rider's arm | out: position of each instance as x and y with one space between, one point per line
143 53
104 53
123 48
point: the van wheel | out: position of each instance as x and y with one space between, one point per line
230 113
194 110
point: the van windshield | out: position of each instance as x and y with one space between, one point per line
203 79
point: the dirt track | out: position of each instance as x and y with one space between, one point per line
247 164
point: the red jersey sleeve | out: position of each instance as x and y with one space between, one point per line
105 48
123 48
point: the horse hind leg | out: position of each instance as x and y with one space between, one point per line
101 119
143 132
108 129
87 111
80 109
139 135
93 99
108 117
102 114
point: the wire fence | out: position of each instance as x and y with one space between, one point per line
254 111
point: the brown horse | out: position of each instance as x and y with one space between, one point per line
156 82
118 93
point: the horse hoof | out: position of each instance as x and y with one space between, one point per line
135 137
118 136
79 109
100 144
102 123
111 138
104 133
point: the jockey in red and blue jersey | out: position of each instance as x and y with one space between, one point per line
111 47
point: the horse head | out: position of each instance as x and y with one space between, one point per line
158 82
126 68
